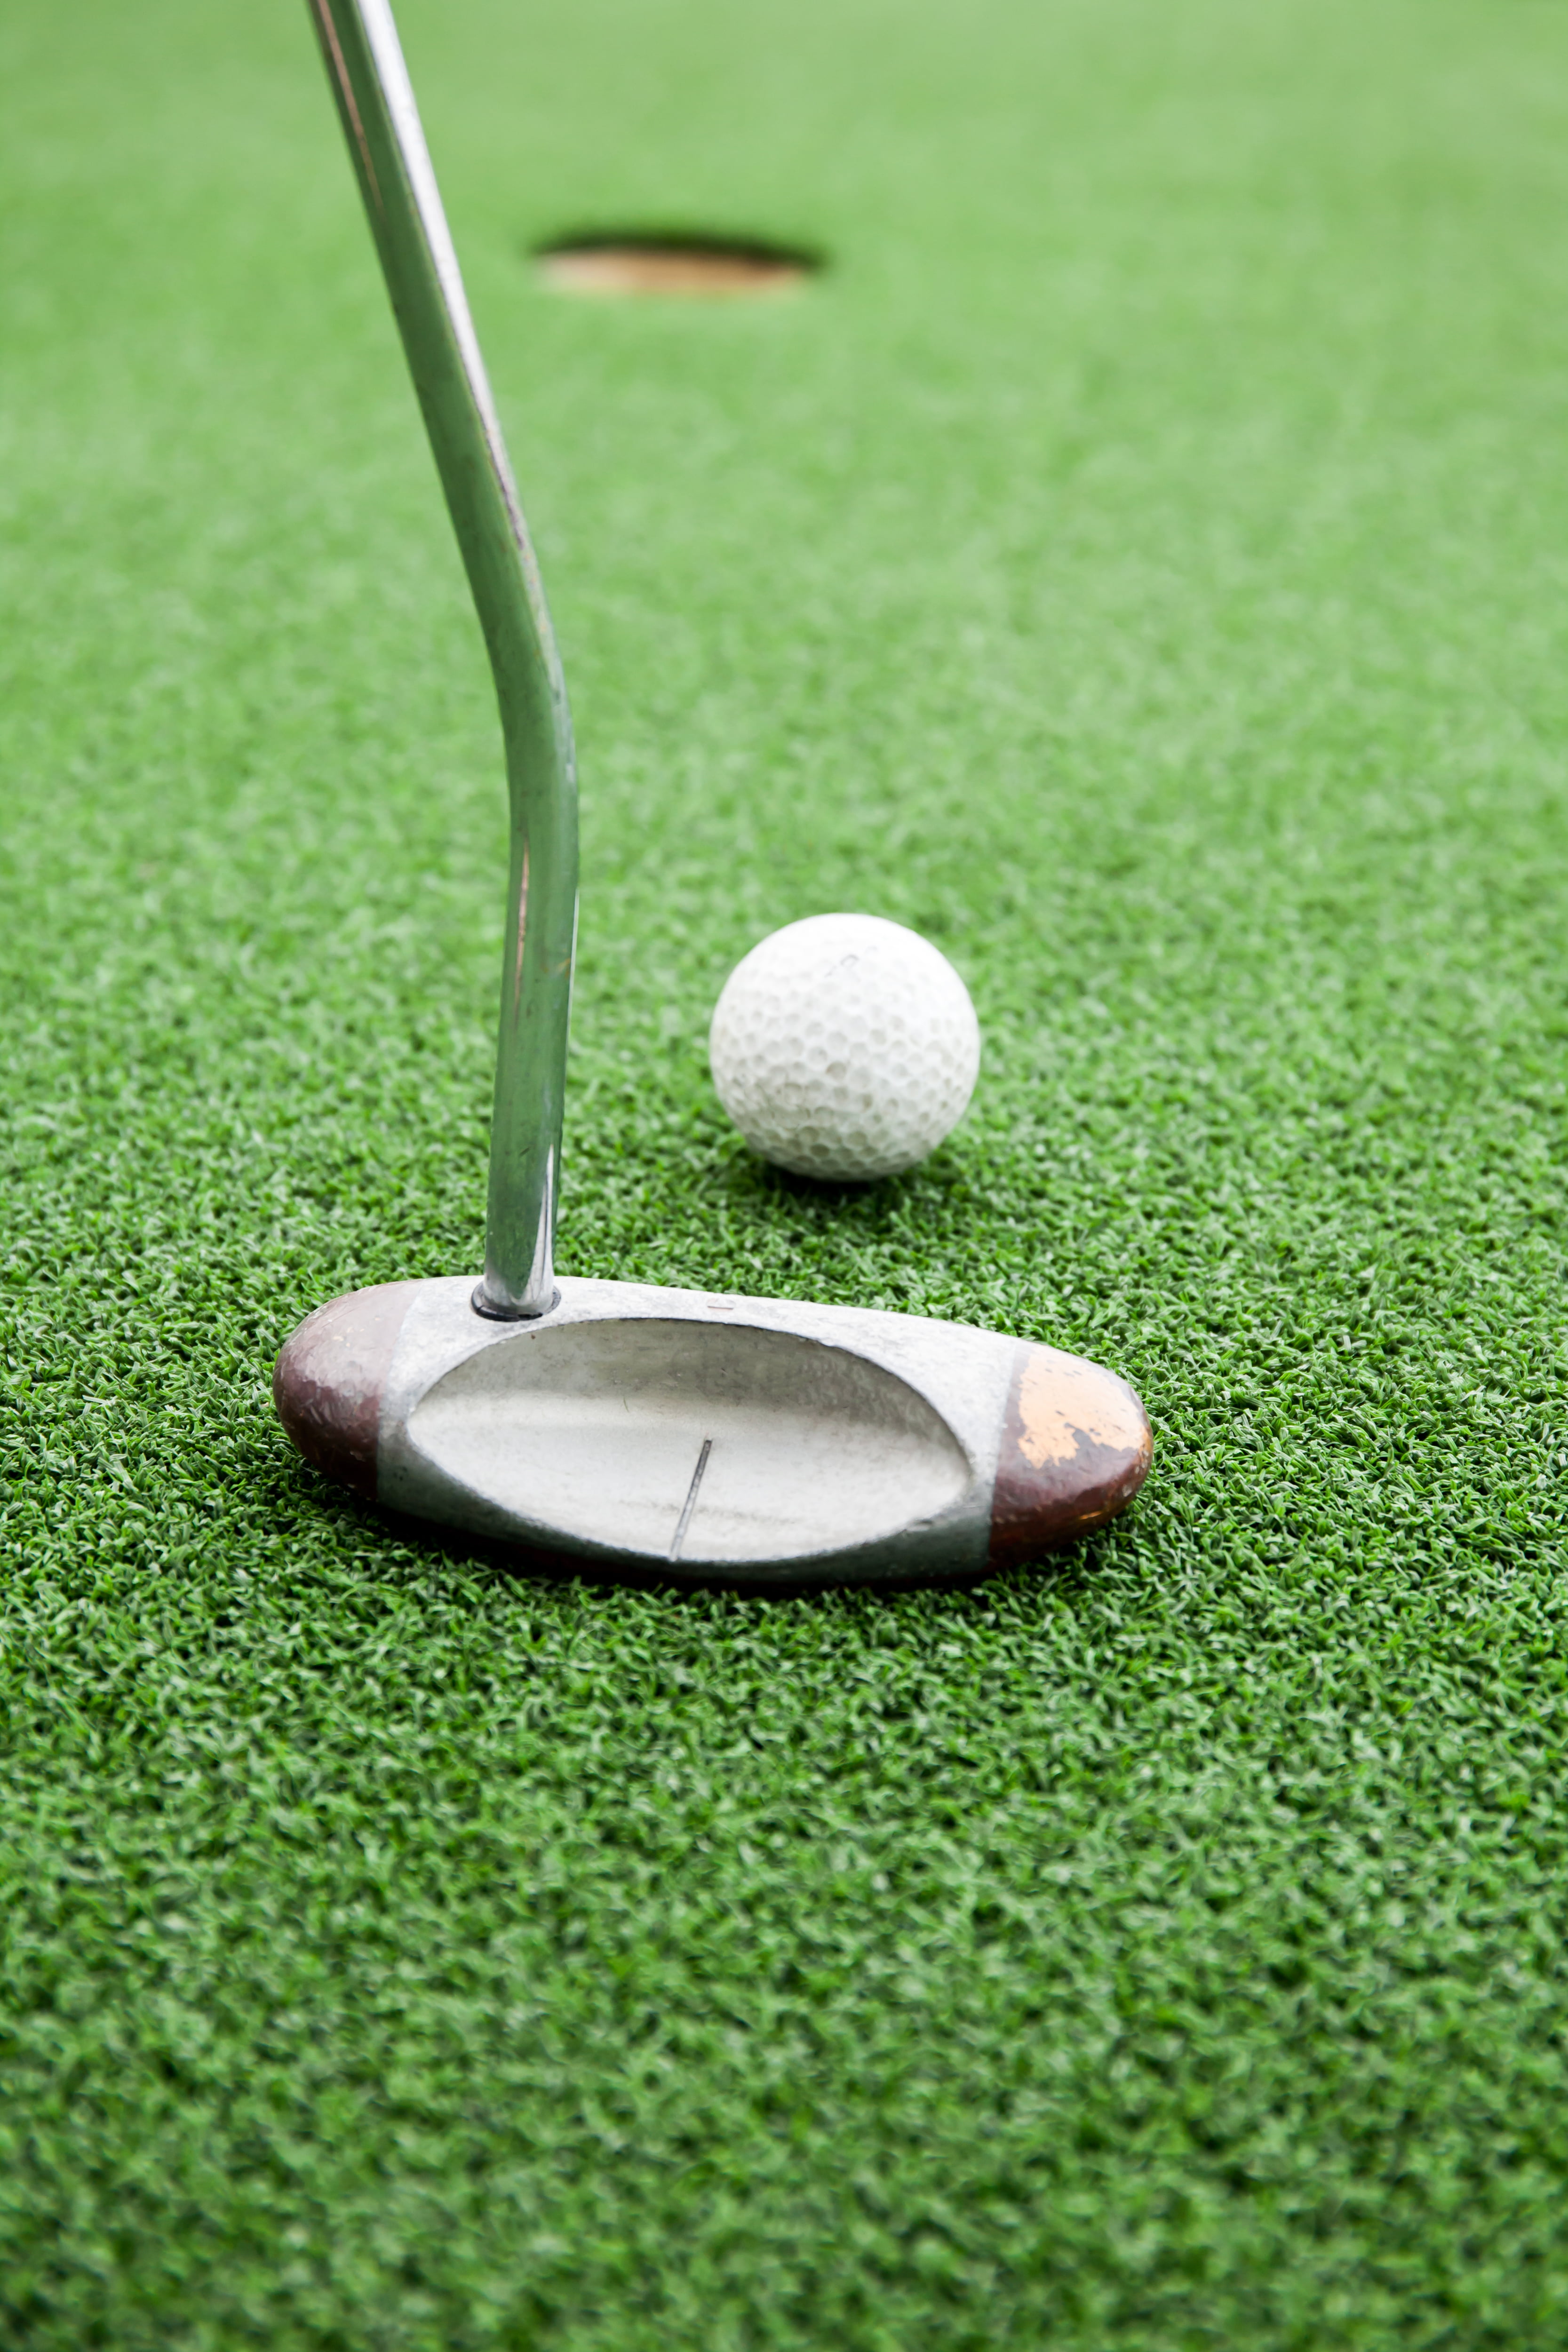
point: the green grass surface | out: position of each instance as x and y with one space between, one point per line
1140 562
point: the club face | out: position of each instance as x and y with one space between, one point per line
714 1439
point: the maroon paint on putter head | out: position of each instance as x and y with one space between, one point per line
1076 1447
328 1383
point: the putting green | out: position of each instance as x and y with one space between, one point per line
1138 562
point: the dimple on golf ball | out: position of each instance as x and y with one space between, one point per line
845 1046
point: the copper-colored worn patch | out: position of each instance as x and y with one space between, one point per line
1076 1449
327 1384
634 266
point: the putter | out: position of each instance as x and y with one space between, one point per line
715 1439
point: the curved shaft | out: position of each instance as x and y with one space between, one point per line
381 122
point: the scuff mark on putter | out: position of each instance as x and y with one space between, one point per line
678 1537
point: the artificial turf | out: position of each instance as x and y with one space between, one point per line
1139 562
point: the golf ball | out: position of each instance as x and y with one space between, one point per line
845 1046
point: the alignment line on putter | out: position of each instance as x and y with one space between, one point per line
678 1537
834 1444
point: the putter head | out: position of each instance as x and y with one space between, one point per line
715 1439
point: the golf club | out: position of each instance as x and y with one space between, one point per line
715 1438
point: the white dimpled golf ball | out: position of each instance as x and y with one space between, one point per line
845 1046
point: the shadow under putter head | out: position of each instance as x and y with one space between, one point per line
717 1439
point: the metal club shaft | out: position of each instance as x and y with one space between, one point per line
381 122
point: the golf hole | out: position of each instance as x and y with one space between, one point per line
672 263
